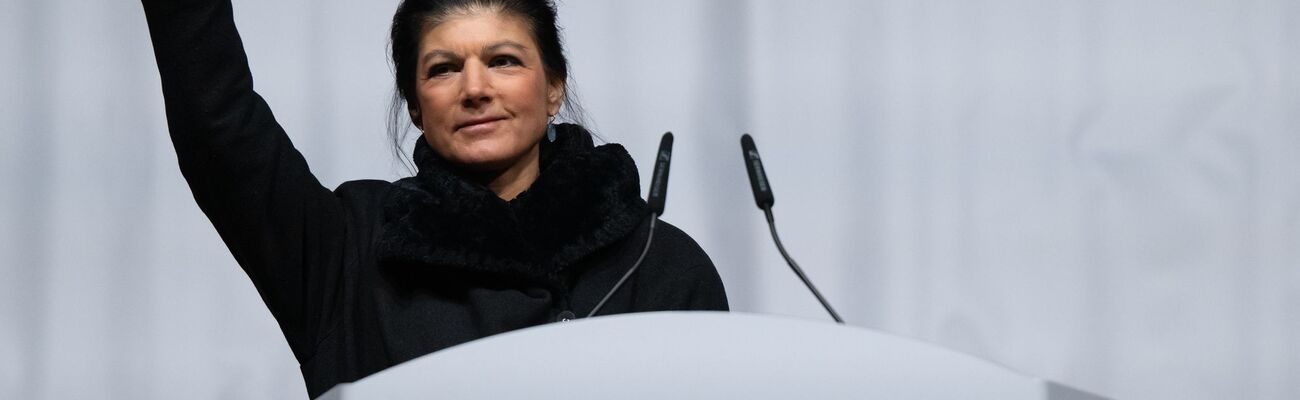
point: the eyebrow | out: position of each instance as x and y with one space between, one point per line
486 49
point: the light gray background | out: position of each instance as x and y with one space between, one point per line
1103 193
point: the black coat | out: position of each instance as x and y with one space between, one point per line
376 273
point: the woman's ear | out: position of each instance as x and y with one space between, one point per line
415 116
554 97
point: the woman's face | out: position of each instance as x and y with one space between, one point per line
484 99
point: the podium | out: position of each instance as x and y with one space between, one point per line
699 355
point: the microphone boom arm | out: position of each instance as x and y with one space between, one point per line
764 199
771 224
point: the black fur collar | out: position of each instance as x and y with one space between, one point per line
585 198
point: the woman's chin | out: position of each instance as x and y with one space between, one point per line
483 165
487 159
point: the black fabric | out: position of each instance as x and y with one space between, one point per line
374 273
586 198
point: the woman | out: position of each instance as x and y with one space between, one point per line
509 222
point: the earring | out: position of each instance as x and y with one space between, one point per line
550 131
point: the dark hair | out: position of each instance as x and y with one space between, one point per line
414 17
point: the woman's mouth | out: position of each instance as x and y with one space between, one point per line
479 125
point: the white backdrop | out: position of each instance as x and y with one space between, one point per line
1104 193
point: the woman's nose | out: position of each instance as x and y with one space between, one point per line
477 86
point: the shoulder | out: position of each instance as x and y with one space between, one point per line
675 247
364 198
363 189
677 264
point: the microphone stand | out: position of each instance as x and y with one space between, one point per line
771 224
655 199
764 199
649 239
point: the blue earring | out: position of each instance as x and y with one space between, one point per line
550 132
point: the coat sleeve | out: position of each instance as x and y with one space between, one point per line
283 228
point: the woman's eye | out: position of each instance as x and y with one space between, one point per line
504 61
440 69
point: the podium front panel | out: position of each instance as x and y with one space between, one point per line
674 355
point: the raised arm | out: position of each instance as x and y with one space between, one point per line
282 226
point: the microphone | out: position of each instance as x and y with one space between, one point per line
659 181
757 177
763 197
655 199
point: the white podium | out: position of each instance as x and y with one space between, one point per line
699 355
